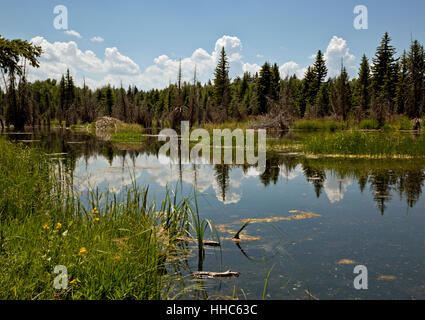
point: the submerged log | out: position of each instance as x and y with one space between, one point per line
206 274
205 242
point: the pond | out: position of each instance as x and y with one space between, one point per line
313 219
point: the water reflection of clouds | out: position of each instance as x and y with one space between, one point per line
97 171
335 188
290 174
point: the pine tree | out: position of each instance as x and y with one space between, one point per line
62 99
109 101
322 101
402 85
222 82
363 88
275 82
264 88
308 88
384 72
343 94
415 79
320 72
287 97
69 97
122 104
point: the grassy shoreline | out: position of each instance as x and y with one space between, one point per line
331 138
355 144
112 249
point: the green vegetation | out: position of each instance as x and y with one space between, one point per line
366 144
128 133
320 125
369 124
397 123
112 249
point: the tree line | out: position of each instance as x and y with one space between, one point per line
385 86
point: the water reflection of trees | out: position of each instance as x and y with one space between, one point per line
222 177
385 178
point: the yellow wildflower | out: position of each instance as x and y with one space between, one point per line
83 251
95 211
58 225
96 219
45 227
74 281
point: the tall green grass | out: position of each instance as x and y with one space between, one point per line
128 133
25 182
320 125
398 123
369 124
366 143
112 248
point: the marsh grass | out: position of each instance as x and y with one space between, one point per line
320 125
397 123
113 248
128 133
385 144
369 124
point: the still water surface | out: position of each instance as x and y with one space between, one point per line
366 212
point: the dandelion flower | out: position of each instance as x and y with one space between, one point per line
82 251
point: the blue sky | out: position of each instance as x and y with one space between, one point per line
142 31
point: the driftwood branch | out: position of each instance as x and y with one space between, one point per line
205 242
206 274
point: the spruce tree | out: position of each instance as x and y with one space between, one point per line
308 90
62 99
402 85
343 94
222 82
384 72
415 78
320 72
69 104
109 101
322 101
275 82
363 87
264 87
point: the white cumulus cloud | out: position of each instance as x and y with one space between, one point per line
97 39
337 53
290 68
115 67
73 33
